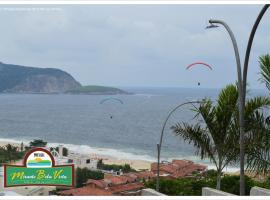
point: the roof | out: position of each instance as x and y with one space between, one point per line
126 187
178 168
182 163
90 191
145 174
86 191
116 180
98 183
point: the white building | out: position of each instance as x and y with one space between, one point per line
79 160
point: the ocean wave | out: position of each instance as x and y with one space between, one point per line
120 154
106 152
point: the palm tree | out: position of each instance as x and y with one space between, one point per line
12 152
264 62
218 137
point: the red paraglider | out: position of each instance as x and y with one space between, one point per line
199 63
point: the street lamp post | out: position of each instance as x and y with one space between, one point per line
250 41
161 137
241 101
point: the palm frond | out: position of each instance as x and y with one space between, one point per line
197 136
264 62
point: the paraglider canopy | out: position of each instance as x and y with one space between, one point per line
111 99
198 63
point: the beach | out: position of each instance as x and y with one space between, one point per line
107 159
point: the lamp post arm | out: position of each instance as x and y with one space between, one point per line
249 45
236 52
241 105
162 133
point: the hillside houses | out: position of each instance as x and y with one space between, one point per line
178 168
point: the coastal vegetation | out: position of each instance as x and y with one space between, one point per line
9 153
83 174
36 143
96 89
124 168
216 137
192 186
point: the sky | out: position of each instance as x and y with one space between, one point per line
134 45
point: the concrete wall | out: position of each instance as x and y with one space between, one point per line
151 192
206 191
257 191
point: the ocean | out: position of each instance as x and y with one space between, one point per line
127 131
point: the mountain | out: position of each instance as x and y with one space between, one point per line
95 89
23 79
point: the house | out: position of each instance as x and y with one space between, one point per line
178 168
126 184
79 160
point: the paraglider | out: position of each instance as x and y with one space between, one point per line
107 100
198 63
111 99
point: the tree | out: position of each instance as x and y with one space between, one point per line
259 156
83 174
218 137
264 62
36 143
10 153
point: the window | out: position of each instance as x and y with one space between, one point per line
87 161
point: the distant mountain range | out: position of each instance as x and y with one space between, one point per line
24 79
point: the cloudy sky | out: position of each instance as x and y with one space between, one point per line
133 45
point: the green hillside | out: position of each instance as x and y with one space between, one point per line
95 89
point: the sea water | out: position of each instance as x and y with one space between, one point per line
127 131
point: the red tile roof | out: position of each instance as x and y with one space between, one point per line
178 168
145 175
117 180
86 191
97 183
90 191
126 187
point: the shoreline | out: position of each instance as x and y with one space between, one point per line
135 161
137 164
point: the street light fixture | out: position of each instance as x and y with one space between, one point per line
161 137
241 105
211 26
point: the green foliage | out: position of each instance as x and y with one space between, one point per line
231 184
95 89
36 143
182 187
193 187
10 153
264 62
125 168
83 174
218 137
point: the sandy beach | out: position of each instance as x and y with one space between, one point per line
135 164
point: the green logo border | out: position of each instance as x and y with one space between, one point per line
53 166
